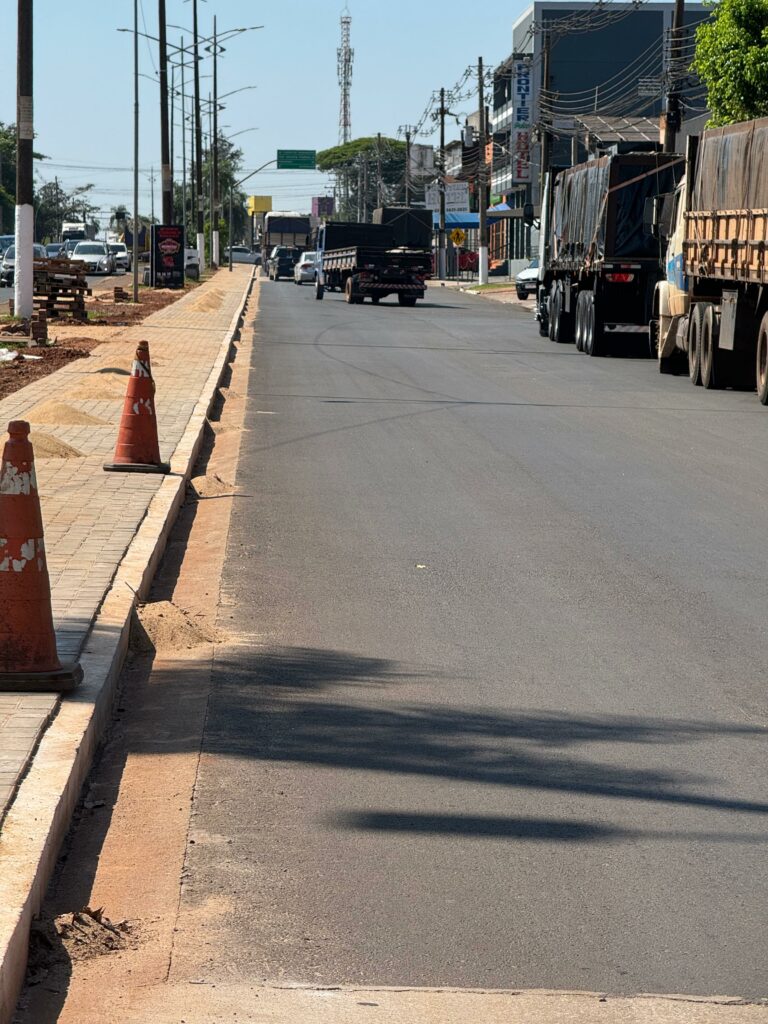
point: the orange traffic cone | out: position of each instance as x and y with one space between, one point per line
28 658
137 449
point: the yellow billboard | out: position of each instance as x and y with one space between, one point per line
259 204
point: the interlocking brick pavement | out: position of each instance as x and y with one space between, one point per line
91 516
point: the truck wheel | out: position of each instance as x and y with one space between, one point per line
406 300
319 290
593 329
761 368
554 302
653 339
564 328
579 332
522 294
349 292
375 299
694 344
711 357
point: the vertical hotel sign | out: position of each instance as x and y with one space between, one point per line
521 132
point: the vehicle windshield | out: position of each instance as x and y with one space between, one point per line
534 264
10 252
89 249
117 248
307 257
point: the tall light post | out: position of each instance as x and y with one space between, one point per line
135 257
237 184
198 143
24 274
165 156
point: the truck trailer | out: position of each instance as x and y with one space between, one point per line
711 309
600 262
363 260
288 229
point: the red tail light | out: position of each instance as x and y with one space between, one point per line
305 266
620 278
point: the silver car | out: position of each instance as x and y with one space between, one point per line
95 257
120 254
9 261
306 268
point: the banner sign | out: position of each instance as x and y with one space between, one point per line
456 197
166 254
520 142
259 204
322 206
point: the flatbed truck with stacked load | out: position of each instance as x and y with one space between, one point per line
390 257
711 310
284 229
599 260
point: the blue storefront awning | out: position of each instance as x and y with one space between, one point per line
466 221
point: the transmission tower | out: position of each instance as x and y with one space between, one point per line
344 57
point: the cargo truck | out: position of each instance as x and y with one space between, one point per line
284 229
363 260
599 260
711 310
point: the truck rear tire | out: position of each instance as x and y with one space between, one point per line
553 305
594 344
579 331
319 290
711 357
406 300
350 292
695 325
564 326
761 365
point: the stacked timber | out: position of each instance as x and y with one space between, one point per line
61 288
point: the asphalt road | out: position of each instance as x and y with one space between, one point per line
493 708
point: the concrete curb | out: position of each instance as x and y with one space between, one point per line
38 819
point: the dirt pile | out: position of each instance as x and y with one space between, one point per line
47 447
210 486
164 627
59 412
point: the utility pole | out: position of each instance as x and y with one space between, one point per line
172 109
482 201
23 277
672 116
165 151
379 182
152 193
215 200
407 167
135 255
441 239
183 150
198 146
545 136
210 176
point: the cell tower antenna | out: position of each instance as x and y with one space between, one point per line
344 58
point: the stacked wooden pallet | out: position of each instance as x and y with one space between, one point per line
61 288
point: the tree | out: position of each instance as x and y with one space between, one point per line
356 167
732 60
7 176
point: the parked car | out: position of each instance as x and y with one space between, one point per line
95 256
281 262
527 280
53 249
120 254
69 247
191 263
5 242
241 254
306 268
9 261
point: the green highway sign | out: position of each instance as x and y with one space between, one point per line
296 159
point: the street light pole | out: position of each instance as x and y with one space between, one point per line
165 155
482 201
135 258
183 154
215 203
198 145
24 275
237 184
441 252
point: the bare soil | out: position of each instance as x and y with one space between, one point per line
69 340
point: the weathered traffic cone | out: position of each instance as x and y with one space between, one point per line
137 449
28 658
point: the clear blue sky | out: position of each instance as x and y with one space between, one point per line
404 49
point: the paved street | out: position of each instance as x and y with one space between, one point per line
505 724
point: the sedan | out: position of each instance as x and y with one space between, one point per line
305 269
242 254
527 280
54 249
9 261
95 257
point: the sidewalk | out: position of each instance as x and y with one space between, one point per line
91 520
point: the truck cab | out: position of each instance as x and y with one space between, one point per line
671 302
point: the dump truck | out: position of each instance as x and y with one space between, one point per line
363 260
711 310
600 260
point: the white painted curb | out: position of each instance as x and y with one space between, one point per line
39 817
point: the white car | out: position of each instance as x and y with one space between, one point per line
241 254
306 268
120 255
95 257
9 261
527 280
